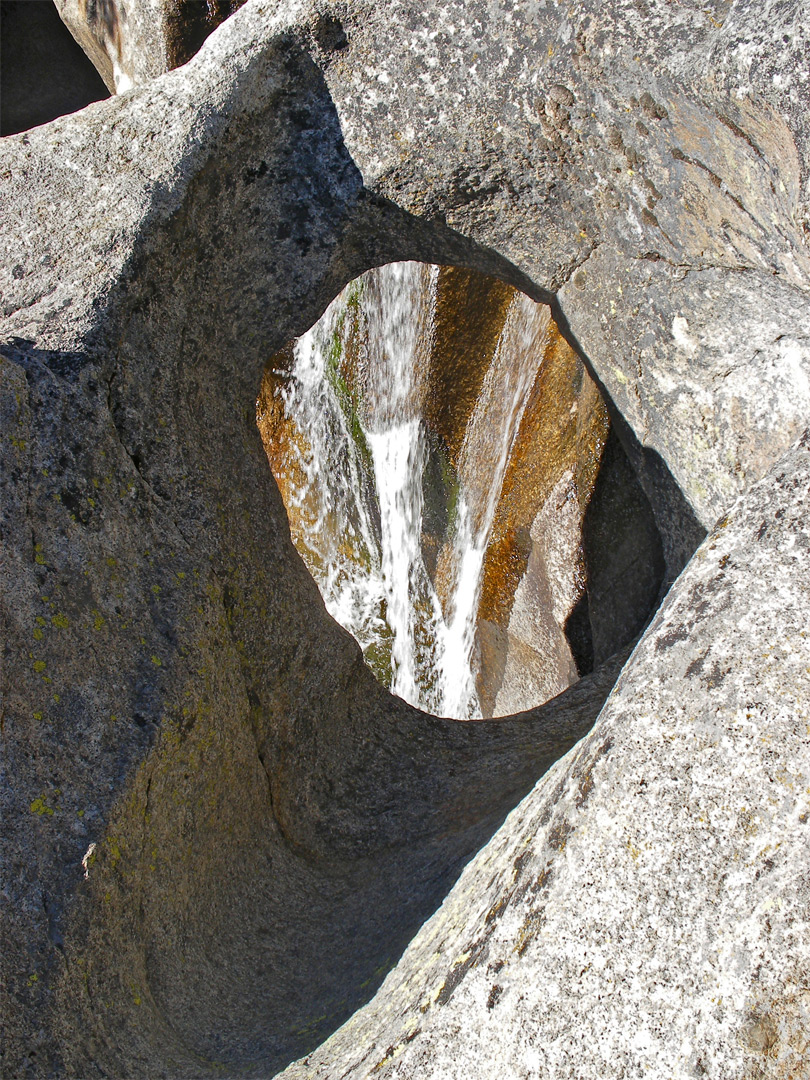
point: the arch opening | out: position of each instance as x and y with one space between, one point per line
455 488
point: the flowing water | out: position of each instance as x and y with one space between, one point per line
354 478
488 442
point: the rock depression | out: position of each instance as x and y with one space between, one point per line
221 836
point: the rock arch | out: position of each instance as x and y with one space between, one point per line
174 692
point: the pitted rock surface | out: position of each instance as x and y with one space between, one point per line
271 828
644 910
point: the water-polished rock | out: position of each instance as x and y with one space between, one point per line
270 829
526 458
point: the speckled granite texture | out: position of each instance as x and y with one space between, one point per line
271 828
644 911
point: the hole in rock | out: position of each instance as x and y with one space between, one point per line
454 486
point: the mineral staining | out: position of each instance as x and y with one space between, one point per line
399 429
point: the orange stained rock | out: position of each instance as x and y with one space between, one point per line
564 428
286 447
470 312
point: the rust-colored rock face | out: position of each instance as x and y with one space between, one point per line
470 313
283 441
562 434
513 434
551 475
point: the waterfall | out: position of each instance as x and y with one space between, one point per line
325 485
488 442
399 307
355 452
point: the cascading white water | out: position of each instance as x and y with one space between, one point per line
488 442
326 487
399 307
355 489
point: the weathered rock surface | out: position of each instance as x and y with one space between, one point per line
644 910
650 153
270 827
132 41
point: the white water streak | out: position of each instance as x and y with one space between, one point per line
363 493
340 542
485 453
400 303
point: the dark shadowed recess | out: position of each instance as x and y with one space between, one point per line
189 22
624 564
349 815
638 534
44 73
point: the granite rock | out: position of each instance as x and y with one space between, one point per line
132 41
270 827
644 911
